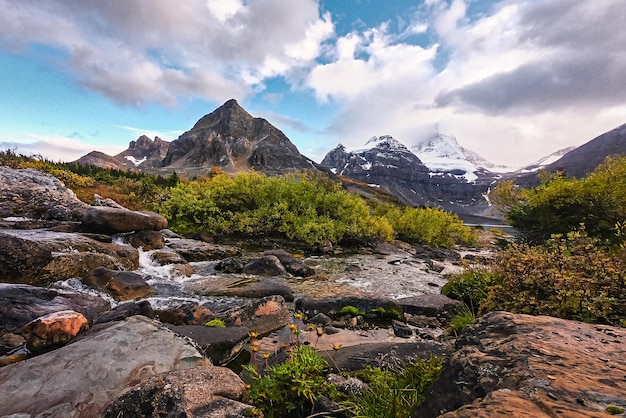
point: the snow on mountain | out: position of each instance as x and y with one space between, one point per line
443 154
135 161
545 161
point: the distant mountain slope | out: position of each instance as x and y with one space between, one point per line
142 155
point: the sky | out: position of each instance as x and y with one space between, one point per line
513 80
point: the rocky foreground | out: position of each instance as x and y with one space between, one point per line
103 313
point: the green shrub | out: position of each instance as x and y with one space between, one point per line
571 277
215 323
292 387
393 393
461 318
427 226
471 287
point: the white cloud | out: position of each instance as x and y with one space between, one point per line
159 51
62 148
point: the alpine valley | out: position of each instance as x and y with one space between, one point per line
438 172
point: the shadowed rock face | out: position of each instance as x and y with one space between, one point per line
522 365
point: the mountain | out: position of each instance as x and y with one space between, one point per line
451 182
143 154
231 139
544 162
228 138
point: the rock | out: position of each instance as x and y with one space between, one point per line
205 391
9 342
260 315
320 319
425 252
82 378
123 285
108 220
29 193
231 265
39 257
192 250
332 306
522 365
433 305
21 304
147 240
400 329
53 330
386 355
291 263
181 266
243 287
268 265
422 321
186 314
126 310
102 201
219 344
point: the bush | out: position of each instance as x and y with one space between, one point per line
570 277
428 226
471 287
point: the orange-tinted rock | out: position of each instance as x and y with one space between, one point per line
53 329
187 314
508 365
108 220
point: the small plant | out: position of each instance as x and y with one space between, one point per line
393 393
614 410
351 310
471 287
292 387
460 319
215 323
387 313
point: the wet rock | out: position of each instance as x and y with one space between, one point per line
424 252
320 319
126 310
21 304
181 266
10 342
29 193
263 315
192 250
219 344
433 305
200 392
400 329
386 355
244 287
82 378
123 285
53 330
108 220
267 265
40 257
332 306
186 314
232 265
422 321
522 365
291 263
147 240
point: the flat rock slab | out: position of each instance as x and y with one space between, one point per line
431 305
193 250
522 365
82 378
245 287
332 306
219 344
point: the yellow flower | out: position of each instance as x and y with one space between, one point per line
319 331
254 348
337 346
265 355
253 334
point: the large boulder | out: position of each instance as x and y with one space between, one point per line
244 287
268 265
204 391
39 257
108 220
81 379
32 194
219 344
21 304
291 263
147 240
259 315
522 365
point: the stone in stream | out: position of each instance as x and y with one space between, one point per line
82 378
123 285
268 265
243 287
259 315
108 220
291 263
126 310
219 344
147 240
193 250
52 330
185 314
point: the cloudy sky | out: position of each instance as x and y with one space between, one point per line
513 80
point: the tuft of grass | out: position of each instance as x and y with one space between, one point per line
461 318
215 323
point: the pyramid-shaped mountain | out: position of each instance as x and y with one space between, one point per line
231 139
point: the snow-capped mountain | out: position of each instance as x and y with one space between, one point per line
546 161
443 154
440 175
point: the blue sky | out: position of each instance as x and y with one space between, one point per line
511 80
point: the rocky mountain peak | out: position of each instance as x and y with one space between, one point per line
225 116
385 142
